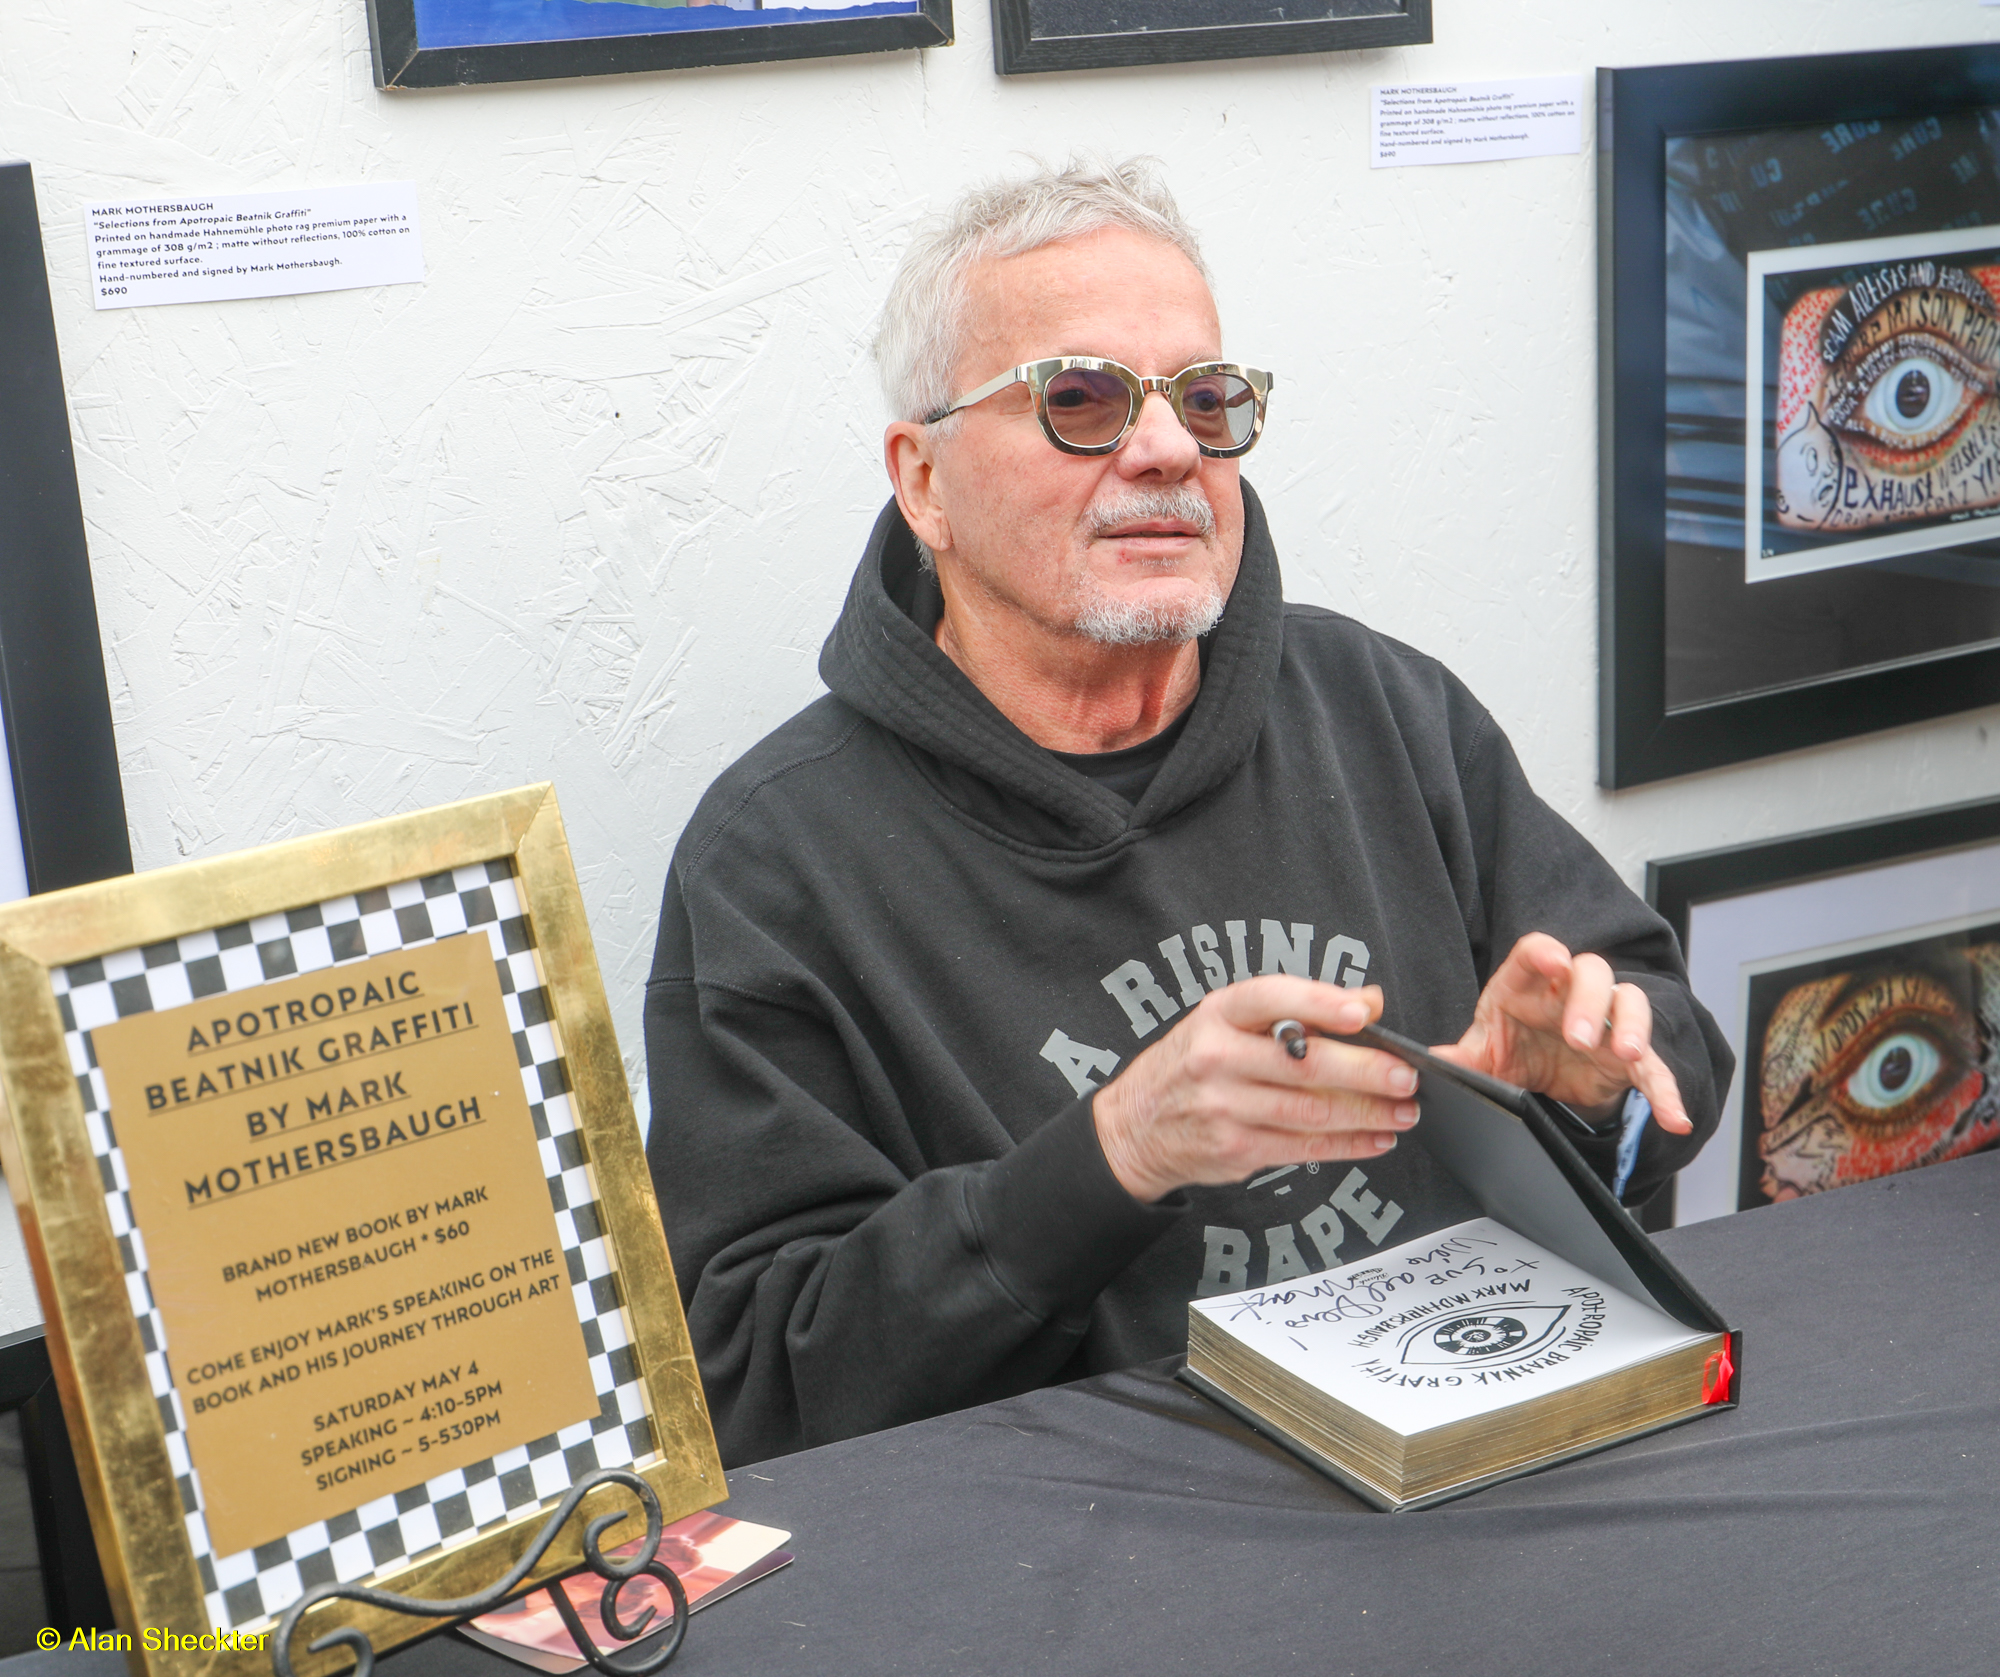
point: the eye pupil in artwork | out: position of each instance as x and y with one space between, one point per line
1478 1336
1895 1069
1913 393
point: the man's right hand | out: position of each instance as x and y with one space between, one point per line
1217 1100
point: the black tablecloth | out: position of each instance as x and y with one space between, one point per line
1844 1520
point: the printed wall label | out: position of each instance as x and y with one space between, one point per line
178 247
1476 122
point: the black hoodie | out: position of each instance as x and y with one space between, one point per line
902 944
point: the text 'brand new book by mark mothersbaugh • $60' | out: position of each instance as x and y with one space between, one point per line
1550 1327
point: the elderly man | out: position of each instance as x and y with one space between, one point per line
960 1020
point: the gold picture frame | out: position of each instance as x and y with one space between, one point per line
59 1183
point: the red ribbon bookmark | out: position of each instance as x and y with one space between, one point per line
1723 1371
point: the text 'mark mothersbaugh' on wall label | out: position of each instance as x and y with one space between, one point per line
1476 122
179 247
348 1233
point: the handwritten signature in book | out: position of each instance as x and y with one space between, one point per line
1363 1293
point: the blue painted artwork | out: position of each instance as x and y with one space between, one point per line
487 23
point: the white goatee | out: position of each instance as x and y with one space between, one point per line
1114 622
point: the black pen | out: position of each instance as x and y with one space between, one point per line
1290 1035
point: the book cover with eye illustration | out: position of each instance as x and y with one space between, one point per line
1548 1328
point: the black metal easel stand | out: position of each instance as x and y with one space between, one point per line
617 1574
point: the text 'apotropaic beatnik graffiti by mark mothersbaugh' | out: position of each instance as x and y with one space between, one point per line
348 1232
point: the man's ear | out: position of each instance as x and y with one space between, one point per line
907 452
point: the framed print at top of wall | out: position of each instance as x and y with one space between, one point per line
1799 337
1036 35
1856 974
456 43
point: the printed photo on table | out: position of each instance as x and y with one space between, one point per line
711 1554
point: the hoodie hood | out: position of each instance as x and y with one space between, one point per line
884 664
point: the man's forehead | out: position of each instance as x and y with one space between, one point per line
1110 280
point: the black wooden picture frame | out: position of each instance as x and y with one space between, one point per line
1647 733
1675 886
403 60
1186 31
57 706
64 763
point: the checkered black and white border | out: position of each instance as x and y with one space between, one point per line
481 899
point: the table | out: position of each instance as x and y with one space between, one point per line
1844 1520
72 1586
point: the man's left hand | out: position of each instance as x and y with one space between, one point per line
1561 1025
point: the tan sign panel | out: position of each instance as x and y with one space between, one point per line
348 1233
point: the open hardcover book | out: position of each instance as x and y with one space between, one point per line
1550 1327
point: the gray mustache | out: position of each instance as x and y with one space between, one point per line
1180 503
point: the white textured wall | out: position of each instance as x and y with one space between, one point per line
19 1307
584 504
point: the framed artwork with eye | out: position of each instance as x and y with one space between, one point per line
1799 320
1856 973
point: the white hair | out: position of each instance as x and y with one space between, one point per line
922 334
